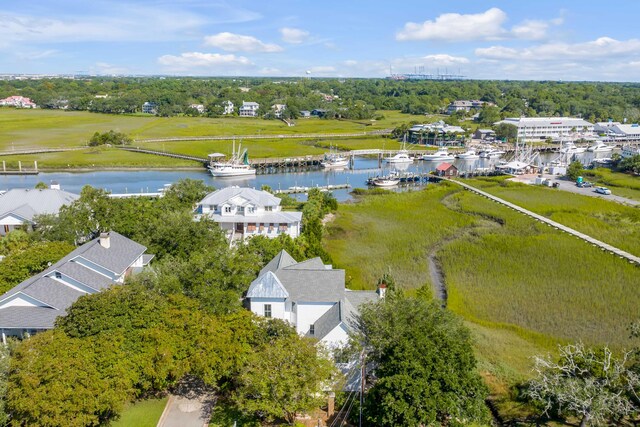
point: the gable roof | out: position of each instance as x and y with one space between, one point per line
257 197
345 311
444 166
283 259
56 296
26 203
267 286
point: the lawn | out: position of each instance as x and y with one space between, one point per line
622 184
610 222
145 413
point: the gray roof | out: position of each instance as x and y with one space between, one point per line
344 311
58 296
257 197
283 259
29 202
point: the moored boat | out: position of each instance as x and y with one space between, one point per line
442 154
468 155
600 147
237 165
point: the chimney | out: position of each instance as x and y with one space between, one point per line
382 290
105 241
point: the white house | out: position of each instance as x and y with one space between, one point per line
619 131
150 108
34 304
228 107
466 105
278 109
245 212
540 128
18 102
310 295
19 206
198 107
248 109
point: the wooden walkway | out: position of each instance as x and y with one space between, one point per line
268 136
604 246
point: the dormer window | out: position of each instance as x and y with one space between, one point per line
227 209
251 209
268 208
58 275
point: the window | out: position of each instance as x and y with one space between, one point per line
58 275
6 228
312 329
267 310
268 208
251 209
251 227
227 209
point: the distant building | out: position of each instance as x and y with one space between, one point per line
318 112
618 131
33 305
305 114
198 107
432 133
248 109
228 108
484 134
150 108
18 102
466 105
556 128
278 109
309 295
244 212
18 207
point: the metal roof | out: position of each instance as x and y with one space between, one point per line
29 202
224 195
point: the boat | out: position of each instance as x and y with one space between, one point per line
441 154
491 153
386 181
571 148
402 156
237 165
468 155
333 160
600 147
629 151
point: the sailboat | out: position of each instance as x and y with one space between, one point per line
402 156
334 160
237 165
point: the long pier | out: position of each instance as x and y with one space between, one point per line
604 246
268 136
305 190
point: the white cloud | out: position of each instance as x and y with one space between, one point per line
443 60
106 68
323 69
457 27
239 43
601 48
294 35
530 30
198 60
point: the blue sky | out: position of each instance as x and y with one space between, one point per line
531 40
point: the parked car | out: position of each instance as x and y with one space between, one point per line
585 184
603 190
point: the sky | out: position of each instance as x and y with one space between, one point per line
516 39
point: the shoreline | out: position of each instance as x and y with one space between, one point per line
122 169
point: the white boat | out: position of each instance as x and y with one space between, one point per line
600 147
629 151
468 155
491 153
237 165
571 148
333 160
386 181
401 157
442 154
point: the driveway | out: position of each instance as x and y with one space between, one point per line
189 405
591 191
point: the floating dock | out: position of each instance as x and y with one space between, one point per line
305 190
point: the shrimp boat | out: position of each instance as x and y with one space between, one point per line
237 165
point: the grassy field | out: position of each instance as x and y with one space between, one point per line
604 220
521 286
622 184
145 413
33 129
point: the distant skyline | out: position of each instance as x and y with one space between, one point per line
541 40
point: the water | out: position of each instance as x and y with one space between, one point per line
145 181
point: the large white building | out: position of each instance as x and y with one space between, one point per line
619 131
244 212
248 109
310 295
18 102
556 128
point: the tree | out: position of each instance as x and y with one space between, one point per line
111 137
591 384
575 170
41 186
186 192
506 131
425 370
630 164
284 376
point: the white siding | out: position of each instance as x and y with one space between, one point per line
308 313
338 337
277 308
21 300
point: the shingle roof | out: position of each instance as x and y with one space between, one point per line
345 311
258 197
117 258
283 259
313 285
30 202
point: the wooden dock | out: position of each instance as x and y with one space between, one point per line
305 190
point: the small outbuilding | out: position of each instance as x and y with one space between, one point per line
447 170
484 134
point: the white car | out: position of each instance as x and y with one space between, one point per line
603 190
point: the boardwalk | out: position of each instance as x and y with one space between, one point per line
268 136
604 246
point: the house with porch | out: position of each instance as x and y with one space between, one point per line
33 305
310 295
248 109
18 207
244 212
